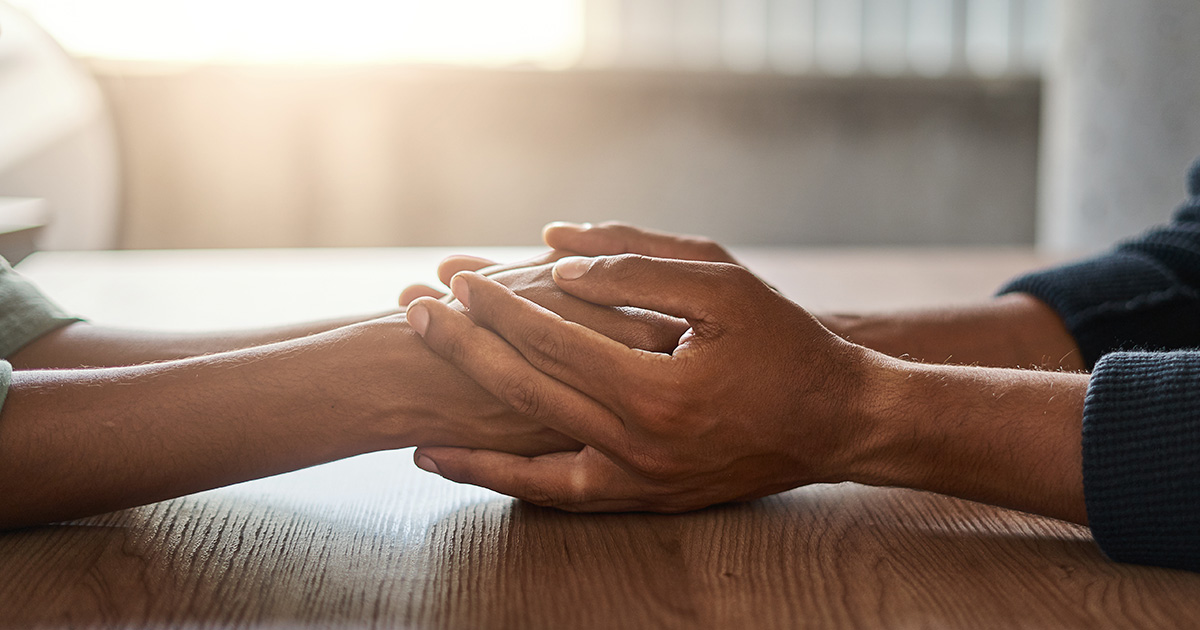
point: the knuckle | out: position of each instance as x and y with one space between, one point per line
652 335
624 267
541 493
713 251
452 346
521 393
547 346
619 229
735 277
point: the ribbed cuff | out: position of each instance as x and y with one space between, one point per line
1141 457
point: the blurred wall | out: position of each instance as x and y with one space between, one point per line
279 156
1122 119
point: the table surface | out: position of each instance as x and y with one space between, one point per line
373 542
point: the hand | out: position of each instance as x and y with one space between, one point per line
463 262
605 239
632 327
471 417
611 238
757 398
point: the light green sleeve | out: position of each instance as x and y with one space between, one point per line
5 380
25 315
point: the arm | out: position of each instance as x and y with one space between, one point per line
788 402
78 442
1143 477
81 441
81 344
1143 295
1014 330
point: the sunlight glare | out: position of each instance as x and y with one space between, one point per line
546 33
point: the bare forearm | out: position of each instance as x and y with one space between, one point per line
85 345
80 442
1010 331
1000 436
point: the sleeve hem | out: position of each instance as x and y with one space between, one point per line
1141 463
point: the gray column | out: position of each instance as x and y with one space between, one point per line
1121 119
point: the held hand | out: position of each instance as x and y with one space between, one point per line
757 398
465 415
633 327
611 238
532 280
564 239
463 262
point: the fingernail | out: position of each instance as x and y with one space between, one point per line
572 267
418 318
428 465
458 286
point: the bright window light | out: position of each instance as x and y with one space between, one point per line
547 33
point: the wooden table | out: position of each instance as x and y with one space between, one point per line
374 542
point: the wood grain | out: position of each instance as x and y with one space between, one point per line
373 542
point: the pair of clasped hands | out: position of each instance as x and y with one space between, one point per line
676 378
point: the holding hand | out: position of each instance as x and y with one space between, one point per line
758 397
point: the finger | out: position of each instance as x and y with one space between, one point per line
461 262
696 291
612 238
578 481
607 371
414 291
502 371
535 261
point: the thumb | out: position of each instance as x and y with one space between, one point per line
612 238
696 291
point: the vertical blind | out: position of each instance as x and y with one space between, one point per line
929 38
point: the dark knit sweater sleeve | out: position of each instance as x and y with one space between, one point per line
1143 295
1141 457
1141 418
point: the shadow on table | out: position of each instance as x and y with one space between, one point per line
825 556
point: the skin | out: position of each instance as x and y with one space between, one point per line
680 430
203 410
158 423
1014 330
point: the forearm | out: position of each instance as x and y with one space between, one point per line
1014 330
79 442
85 345
1000 436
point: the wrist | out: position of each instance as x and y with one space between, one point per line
395 385
1000 436
354 381
405 395
882 405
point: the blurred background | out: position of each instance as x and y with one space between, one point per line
273 123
